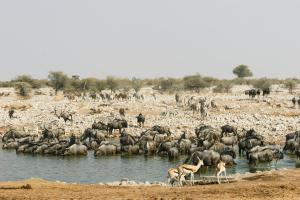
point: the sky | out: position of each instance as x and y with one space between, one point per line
149 38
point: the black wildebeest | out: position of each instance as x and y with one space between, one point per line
252 93
11 113
294 100
177 98
141 120
266 91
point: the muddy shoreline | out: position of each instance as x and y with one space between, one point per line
280 184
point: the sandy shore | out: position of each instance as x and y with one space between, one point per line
283 184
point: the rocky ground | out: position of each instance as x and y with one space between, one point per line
282 184
273 116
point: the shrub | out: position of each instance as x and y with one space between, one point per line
223 87
35 83
195 82
58 80
290 84
111 83
262 83
136 84
23 89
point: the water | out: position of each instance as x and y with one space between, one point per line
106 169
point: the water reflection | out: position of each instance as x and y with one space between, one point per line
93 170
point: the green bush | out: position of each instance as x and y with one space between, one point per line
262 83
223 87
136 84
290 84
111 83
23 89
195 83
167 84
35 83
58 80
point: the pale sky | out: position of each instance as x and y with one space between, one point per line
149 38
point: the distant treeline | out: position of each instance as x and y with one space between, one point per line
60 81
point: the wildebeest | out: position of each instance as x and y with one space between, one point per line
164 147
267 155
173 153
209 157
294 101
184 144
117 124
11 113
94 134
76 149
228 129
66 116
122 96
177 98
12 134
229 141
161 130
107 149
253 92
266 91
126 139
149 148
99 126
53 134
141 120
122 112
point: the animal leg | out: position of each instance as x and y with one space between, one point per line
218 177
192 178
226 176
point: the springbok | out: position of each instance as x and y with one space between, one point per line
190 169
220 170
173 175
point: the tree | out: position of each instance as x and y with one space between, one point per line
136 84
23 89
111 83
242 71
89 84
166 84
35 83
58 80
290 84
101 85
223 87
262 83
195 82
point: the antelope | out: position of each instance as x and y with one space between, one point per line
173 175
221 169
190 169
66 116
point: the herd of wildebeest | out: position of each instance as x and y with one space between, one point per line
210 144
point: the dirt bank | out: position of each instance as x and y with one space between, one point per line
276 185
